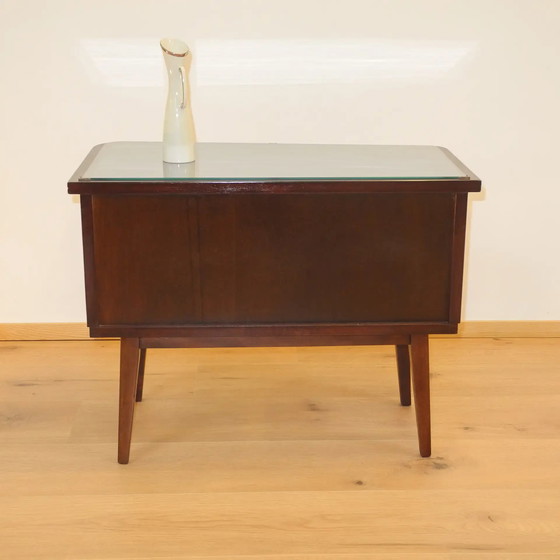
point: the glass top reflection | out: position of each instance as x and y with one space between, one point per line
142 161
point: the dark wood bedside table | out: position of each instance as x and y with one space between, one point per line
273 245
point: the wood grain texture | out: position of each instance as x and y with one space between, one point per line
372 556
403 370
419 353
142 261
128 390
255 259
280 454
467 329
264 523
510 329
317 258
458 257
43 331
141 369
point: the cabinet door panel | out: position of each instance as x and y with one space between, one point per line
143 261
326 258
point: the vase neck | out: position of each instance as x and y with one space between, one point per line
174 47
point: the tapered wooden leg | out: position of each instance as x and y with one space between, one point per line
421 386
141 367
403 366
127 394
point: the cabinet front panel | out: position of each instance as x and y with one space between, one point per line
261 259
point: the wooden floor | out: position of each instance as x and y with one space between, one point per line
281 454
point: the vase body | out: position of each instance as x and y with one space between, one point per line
178 125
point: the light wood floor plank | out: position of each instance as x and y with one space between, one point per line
280 466
280 454
373 556
288 522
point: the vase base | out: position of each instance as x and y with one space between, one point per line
178 154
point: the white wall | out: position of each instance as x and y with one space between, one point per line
481 77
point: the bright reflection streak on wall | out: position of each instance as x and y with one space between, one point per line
231 62
138 62
123 62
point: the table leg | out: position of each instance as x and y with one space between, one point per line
403 366
128 381
141 367
421 387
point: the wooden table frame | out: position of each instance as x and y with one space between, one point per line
142 321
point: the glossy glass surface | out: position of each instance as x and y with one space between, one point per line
142 161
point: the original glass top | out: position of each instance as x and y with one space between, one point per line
142 161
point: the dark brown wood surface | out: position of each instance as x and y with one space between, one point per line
403 368
456 263
143 260
272 341
130 354
419 351
280 332
178 260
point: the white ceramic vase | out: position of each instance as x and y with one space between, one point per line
178 125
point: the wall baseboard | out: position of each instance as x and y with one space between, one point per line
44 331
507 329
468 329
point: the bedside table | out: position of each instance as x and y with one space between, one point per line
273 245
